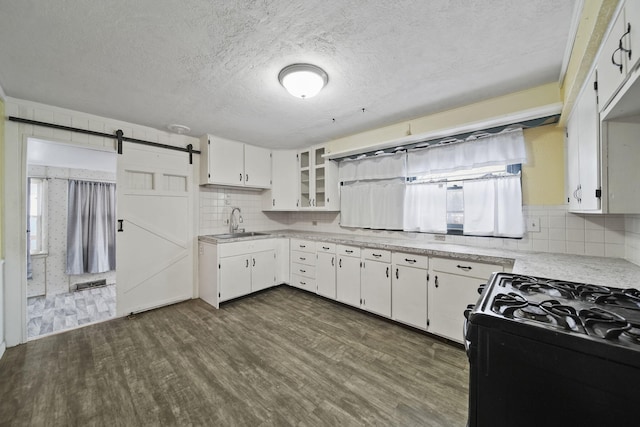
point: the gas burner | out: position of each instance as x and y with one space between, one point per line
564 315
552 288
592 292
603 323
632 334
627 298
505 304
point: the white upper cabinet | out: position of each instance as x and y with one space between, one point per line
620 51
257 167
284 186
318 181
232 163
583 151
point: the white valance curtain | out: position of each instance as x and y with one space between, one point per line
91 227
504 148
386 166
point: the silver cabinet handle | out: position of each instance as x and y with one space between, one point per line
387 271
340 263
348 251
326 248
240 177
247 266
302 259
410 261
377 255
254 262
246 177
397 274
464 267
332 264
436 282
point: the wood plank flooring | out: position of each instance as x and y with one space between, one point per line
279 358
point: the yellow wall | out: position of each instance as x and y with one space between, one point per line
1 178
543 175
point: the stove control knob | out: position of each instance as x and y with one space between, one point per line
468 311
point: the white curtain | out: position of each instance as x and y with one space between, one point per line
386 204
372 204
425 208
509 218
505 148
493 207
91 229
385 166
354 205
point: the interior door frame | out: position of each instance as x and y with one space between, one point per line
24 147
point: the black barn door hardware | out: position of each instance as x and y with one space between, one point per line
119 136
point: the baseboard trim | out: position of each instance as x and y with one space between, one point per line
3 347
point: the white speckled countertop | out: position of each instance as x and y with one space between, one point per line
577 268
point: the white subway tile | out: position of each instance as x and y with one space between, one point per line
576 248
613 250
614 236
594 249
594 236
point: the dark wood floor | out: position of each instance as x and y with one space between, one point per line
279 358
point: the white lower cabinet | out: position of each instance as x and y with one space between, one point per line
303 264
326 263
375 282
409 289
348 275
235 277
453 285
263 270
230 270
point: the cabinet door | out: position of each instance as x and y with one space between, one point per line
284 188
235 277
318 199
226 162
409 296
375 285
632 40
326 275
449 295
257 167
263 270
305 180
611 75
589 150
573 161
348 280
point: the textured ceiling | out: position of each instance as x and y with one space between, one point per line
212 65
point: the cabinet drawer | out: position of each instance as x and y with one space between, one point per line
376 254
308 271
326 247
303 245
464 268
303 258
410 260
348 251
303 282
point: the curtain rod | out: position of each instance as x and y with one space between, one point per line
119 135
526 124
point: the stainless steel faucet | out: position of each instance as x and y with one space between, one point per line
233 222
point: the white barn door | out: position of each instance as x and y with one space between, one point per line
154 255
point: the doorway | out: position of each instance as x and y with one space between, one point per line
61 295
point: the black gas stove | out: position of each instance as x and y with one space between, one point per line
553 353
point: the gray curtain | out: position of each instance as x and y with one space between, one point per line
91 227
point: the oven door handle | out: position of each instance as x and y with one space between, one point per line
465 327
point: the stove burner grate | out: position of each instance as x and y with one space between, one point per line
603 323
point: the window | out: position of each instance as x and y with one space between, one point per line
37 216
455 189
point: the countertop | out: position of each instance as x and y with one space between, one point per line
577 268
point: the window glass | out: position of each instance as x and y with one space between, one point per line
37 222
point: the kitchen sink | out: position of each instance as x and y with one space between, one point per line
236 235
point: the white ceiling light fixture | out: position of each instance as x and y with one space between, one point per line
303 80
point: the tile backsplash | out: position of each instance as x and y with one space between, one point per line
616 236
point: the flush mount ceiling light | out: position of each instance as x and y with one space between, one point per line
179 129
303 80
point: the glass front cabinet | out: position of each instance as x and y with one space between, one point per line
318 178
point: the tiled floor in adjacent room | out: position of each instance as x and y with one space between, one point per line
56 313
